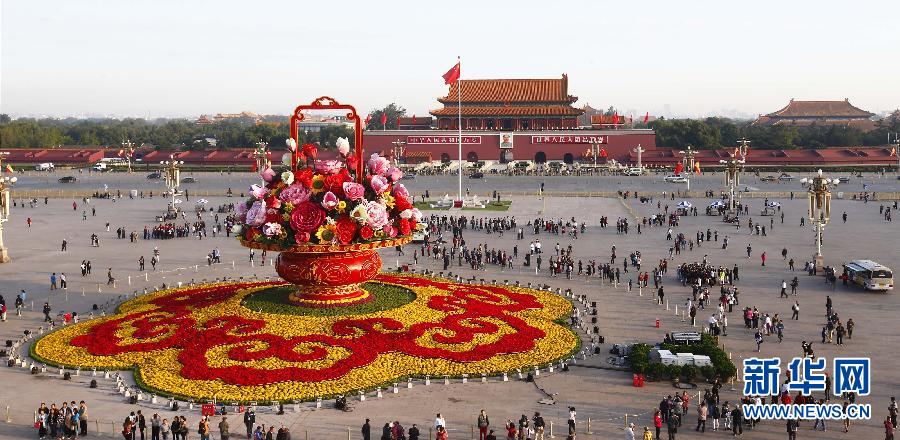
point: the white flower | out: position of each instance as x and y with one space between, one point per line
287 177
360 214
343 146
236 229
406 213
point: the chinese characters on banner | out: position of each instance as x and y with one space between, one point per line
762 376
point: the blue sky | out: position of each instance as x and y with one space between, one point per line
689 58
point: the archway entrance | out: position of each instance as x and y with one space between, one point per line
568 158
506 156
445 158
540 157
472 156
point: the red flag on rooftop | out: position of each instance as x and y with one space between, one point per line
452 75
398 122
383 118
414 119
616 119
647 118
368 118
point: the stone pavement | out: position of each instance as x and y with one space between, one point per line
602 394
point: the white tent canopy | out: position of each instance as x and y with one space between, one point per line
684 204
717 204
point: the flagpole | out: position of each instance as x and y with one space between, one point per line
459 122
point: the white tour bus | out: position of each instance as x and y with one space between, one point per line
869 275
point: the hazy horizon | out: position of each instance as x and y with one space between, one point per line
153 59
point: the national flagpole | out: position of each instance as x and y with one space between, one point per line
459 122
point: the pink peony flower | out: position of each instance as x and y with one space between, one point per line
241 212
400 191
390 230
271 229
378 215
417 215
378 165
294 194
395 174
268 174
354 191
328 166
256 215
329 201
258 192
379 184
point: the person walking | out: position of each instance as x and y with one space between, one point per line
483 424
737 421
250 420
47 312
795 311
53 281
850 325
783 289
366 430
763 258
702 412
223 429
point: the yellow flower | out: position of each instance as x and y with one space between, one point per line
388 200
288 207
326 233
341 206
318 184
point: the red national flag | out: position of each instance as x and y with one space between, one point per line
398 122
383 119
368 118
679 168
893 151
603 152
253 167
616 119
121 152
414 119
9 169
452 75
647 118
697 167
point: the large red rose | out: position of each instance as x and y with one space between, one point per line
307 217
304 176
273 216
403 225
346 229
310 150
402 204
366 232
335 183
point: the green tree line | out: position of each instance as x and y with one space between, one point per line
711 133
706 133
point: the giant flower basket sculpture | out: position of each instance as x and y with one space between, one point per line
327 218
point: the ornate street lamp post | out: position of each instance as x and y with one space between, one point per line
399 148
733 168
687 162
129 151
639 151
819 209
173 178
5 183
261 156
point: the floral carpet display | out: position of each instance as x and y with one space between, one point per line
200 342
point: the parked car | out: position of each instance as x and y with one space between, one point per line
68 179
785 177
768 179
676 179
843 179
44 167
633 171
188 179
478 175
154 175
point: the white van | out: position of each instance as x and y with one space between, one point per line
44 167
100 166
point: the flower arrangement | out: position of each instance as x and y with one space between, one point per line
322 203
202 341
